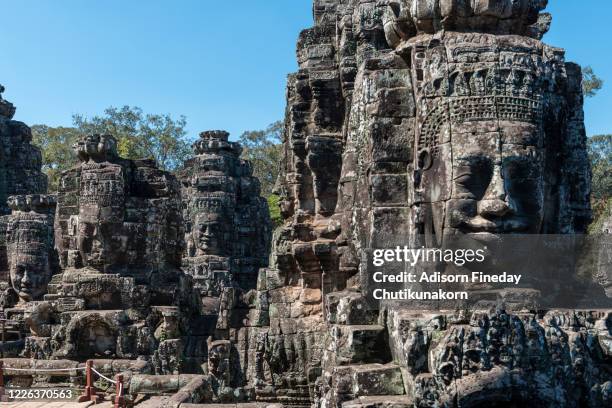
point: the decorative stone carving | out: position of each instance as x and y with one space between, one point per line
20 161
447 118
120 293
116 215
29 236
20 171
228 223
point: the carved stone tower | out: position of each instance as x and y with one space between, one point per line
227 222
20 170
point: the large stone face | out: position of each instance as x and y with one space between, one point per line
120 292
412 120
20 169
227 222
227 235
116 215
29 235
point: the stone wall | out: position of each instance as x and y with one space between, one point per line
20 161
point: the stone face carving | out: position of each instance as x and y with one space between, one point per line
20 170
29 236
228 223
120 292
116 215
489 131
425 118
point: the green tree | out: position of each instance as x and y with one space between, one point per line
56 145
263 149
274 206
139 135
600 155
591 83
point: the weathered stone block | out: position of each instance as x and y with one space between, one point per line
377 379
354 344
389 189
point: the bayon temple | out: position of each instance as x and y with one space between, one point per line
408 120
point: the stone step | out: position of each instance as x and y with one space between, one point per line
349 308
369 379
354 344
380 401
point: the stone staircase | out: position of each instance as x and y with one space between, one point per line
362 370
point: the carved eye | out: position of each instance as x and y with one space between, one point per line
520 168
472 177
425 159
19 271
396 8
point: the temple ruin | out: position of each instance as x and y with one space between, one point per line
412 121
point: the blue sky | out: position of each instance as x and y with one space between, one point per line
223 64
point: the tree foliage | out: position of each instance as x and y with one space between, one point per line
274 206
600 155
139 135
56 145
263 149
591 83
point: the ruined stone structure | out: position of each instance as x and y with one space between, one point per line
20 169
30 252
120 292
227 235
409 121
419 121
227 222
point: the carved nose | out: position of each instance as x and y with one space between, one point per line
26 278
494 203
493 208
